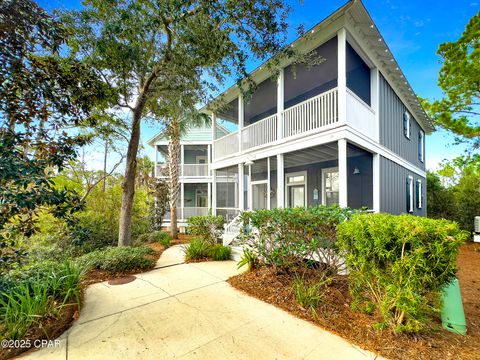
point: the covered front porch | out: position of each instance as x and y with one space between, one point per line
333 173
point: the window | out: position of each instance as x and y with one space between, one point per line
421 146
406 124
296 189
419 193
330 185
410 194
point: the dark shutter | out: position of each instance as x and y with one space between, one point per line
417 194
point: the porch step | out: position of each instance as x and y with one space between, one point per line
236 253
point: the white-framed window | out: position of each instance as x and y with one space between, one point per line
410 194
296 189
406 124
419 193
330 186
421 146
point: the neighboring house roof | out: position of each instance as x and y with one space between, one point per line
357 16
201 133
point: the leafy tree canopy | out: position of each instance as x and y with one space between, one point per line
43 96
459 78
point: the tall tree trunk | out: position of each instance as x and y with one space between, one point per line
104 185
174 174
128 185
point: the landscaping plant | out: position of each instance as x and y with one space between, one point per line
398 265
309 295
197 249
286 238
218 252
208 227
161 237
248 258
118 259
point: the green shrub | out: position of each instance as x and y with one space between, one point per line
218 252
197 249
28 301
118 259
284 238
249 258
309 295
208 227
160 237
399 264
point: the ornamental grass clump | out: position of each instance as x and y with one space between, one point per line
398 266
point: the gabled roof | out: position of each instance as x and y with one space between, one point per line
359 20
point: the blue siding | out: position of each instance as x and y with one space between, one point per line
391 126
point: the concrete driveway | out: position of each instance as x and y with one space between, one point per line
189 311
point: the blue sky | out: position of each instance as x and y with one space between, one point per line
413 29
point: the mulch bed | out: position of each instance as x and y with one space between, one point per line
335 315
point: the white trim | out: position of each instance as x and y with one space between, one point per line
304 183
280 103
241 185
280 181
324 171
406 132
269 189
419 196
342 173
376 182
412 194
214 192
342 75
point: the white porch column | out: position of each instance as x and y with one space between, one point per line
269 190
209 195
342 76
214 192
241 185
156 161
280 98
214 133
342 173
182 200
280 181
240 121
182 159
376 182
375 96
249 187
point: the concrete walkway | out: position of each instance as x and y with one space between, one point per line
188 311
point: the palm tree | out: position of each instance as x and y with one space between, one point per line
179 123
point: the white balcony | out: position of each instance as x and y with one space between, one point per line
315 114
186 170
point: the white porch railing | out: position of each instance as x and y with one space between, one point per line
318 112
360 116
194 211
226 145
231 230
195 170
314 113
260 133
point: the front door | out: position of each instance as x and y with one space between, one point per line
295 186
259 195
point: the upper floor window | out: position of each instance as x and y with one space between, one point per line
407 124
421 146
358 75
409 194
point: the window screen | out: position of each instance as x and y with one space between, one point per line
358 75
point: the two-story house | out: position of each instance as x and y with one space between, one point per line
348 131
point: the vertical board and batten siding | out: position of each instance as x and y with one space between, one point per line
391 126
393 188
